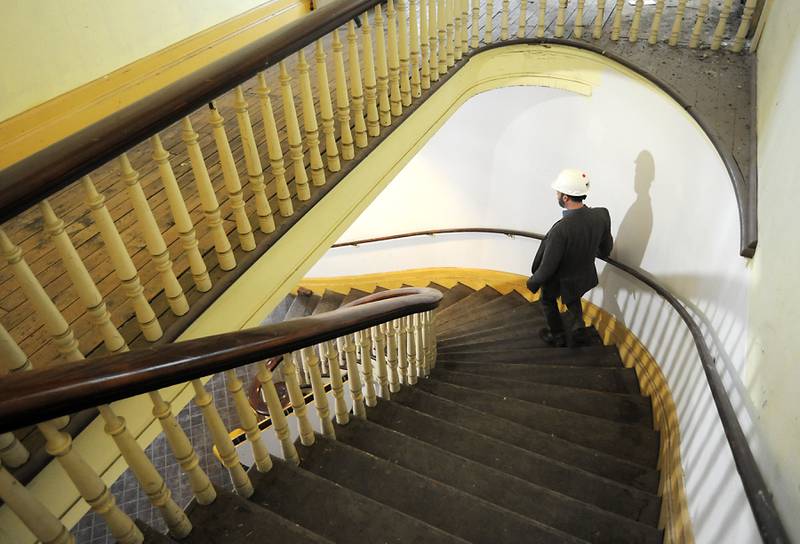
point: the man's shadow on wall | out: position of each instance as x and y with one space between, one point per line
633 235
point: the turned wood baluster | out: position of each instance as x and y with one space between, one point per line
293 135
391 356
46 527
233 184
633 34
488 36
379 341
54 322
252 161
342 99
400 330
414 21
394 60
370 81
675 33
561 18
599 20
219 435
183 451
247 418
425 45
356 88
364 343
81 280
298 400
153 238
719 31
579 19
12 453
475 24
441 14
433 38
335 371
326 109
504 9
346 345
412 367
744 26
523 18
702 12
93 490
656 26
146 474
382 67
403 52
464 26
276 413
118 253
180 216
310 120
419 346
430 340
458 52
616 26
540 22
276 162
451 33
311 361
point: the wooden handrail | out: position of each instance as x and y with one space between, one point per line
41 174
39 395
758 495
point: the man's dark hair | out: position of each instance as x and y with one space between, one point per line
577 198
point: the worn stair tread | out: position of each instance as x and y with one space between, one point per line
151 536
278 313
329 301
456 293
353 294
583 457
441 288
471 302
610 380
601 356
232 519
532 467
334 511
491 313
621 408
440 505
522 328
635 443
530 342
302 306
502 489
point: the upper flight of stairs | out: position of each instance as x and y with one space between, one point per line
507 440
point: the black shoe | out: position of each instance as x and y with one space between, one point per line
553 340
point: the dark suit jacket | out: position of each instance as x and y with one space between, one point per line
567 253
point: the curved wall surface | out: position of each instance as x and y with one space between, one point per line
674 215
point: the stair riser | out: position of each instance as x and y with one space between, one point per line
488 312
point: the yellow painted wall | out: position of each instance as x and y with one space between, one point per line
773 371
52 46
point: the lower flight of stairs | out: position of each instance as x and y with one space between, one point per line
507 440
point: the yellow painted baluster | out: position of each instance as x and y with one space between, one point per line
276 414
382 68
458 52
430 340
370 81
310 120
342 99
599 20
379 341
656 26
81 280
410 351
542 15
290 371
326 109
146 474
248 421
504 9
488 36
451 33
414 21
181 217
579 19
441 14
675 33
475 24
744 26
633 34
719 31
425 46
702 12
561 18
394 60
183 451
252 161
464 26
403 53
276 162
347 346
616 26
523 18
337 386
311 362
419 346
364 343
233 184
153 238
221 439
12 453
293 135
46 527
391 356
402 355
356 88
433 38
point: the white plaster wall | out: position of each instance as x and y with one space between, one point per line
674 215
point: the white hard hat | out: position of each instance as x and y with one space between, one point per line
572 182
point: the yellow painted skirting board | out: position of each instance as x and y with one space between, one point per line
675 518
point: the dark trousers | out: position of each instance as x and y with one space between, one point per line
573 317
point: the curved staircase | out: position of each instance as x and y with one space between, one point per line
507 440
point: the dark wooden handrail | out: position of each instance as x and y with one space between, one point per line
39 175
31 397
760 498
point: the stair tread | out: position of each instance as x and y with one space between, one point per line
302 306
611 380
353 294
471 302
335 512
278 313
232 519
535 502
329 301
522 328
441 288
530 342
532 467
504 303
453 295
601 356
635 443
618 407
448 508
